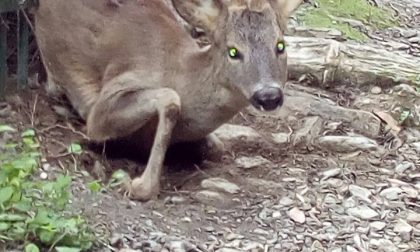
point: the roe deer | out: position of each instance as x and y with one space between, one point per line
133 71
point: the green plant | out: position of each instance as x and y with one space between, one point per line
404 115
33 212
331 13
75 148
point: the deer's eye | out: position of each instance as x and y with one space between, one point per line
280 47
233 53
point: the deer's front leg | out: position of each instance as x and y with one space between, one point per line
147 185
122 109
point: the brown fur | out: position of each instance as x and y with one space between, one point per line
133 68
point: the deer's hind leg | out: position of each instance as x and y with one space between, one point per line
209 148
122 109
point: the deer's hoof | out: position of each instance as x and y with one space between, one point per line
213 148
142 189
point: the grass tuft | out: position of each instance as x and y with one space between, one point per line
33 211
331 12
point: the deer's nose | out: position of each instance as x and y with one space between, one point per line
267 98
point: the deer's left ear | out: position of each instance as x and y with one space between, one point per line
285 7
199 13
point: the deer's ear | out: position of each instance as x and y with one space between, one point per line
286 7
199 13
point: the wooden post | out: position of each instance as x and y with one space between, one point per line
3 58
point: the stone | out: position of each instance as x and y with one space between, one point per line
209 229
175 200
408 33
232 236
410 192
286 201
406 90
330 200
317 246
392 193
350 203
347 143
383 245
276 214
260 231
43 175
402 227
117 241
310 129
404 166
351 249
210 198
413 217
251 162
416 146
263 184
179 246
377 225
228 250
46 167
220 184
280 138
414 40
363 212
331 173
148 245
360 193
376 90
396 45
231 132
306 104
297 215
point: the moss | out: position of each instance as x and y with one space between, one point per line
360 10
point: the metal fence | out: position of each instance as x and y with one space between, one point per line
22 42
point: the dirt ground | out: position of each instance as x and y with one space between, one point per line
334 178
284 197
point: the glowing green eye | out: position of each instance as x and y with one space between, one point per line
233 52
281 47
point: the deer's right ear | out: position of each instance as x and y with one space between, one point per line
199 13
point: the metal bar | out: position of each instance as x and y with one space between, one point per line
22 50
14 5
3 58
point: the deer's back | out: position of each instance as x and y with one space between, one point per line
85 43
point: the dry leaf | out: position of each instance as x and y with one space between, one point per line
389 120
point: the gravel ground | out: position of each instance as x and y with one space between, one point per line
339 179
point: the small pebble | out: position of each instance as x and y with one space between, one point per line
376 90
297 215
391 193
363 212
377 225
402 227
43 175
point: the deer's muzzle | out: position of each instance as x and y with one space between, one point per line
268 98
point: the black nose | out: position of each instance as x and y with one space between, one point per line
268 98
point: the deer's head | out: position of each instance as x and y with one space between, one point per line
247 37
